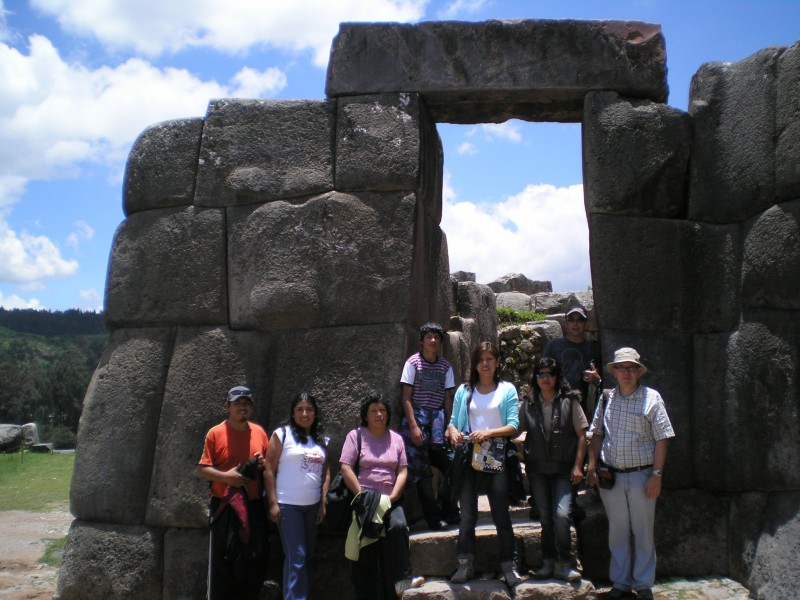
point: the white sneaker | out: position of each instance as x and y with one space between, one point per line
406 584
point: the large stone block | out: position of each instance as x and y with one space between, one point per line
635 156
517 282
691 532
771 262
340 366
205 364
463 336
335 259
162 166
748 515
732 167
745 418
261 150
113 562
168 267
514 300
775 575
477 301
432 299
185 562
665 274
669 357
379 142
787 126
117 432
478 589
538 70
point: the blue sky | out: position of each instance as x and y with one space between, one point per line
80 79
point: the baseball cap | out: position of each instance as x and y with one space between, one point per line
240 391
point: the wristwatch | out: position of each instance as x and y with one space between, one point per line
657 472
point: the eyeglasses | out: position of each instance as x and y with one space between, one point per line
544 374
575 320
631 369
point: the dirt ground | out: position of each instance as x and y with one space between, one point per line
23 540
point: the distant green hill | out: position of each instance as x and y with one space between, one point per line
46 361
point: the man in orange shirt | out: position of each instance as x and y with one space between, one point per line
233 461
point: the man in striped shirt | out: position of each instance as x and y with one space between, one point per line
428 383
630 430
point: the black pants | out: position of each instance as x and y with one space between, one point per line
446 507
383 563
237 571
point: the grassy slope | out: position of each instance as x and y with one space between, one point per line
38 482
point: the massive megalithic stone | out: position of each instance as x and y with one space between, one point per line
498 70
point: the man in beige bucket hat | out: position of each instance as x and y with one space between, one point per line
630 430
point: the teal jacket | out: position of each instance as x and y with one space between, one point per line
509 406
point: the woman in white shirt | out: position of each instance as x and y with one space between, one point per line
483 409
297 479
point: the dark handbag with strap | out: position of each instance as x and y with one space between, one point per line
339 512
605 475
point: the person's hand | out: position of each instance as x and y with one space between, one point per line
456 437
577 475
257 455
275 513
321 512
416 435
592 376
652 488
479 436
233 478
591 478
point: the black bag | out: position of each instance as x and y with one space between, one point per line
605 476
339 512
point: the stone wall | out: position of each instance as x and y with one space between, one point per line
296 245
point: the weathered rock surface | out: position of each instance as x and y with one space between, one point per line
262 150
13 436
733 150
167 267
477 301
490 589
515 300
111 561
555 590
774 575
787 126
162 166
517 282
497 70
635 157
117 433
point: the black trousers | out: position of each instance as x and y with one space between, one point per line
237 571
383 563
442 459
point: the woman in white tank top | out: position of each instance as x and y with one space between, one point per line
297 479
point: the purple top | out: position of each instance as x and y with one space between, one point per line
380 458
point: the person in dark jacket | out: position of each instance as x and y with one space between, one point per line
555 446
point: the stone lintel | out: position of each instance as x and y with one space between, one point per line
538 70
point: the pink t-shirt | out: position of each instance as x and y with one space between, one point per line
380 458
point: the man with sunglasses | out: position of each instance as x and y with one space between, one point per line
577 356
629 431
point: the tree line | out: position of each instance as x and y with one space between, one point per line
46 362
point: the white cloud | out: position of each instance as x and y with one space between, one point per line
541 232
28 258
459 7
14 301
84 233
467 148
508 131
153 27
249 83
92 300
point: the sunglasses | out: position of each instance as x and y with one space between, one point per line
544 374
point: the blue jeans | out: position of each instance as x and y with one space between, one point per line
298 528
553 497
631 515
495 486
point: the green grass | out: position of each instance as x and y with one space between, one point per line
54 553
35 482
509 316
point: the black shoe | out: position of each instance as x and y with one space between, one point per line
438 525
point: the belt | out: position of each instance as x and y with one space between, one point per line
631 470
